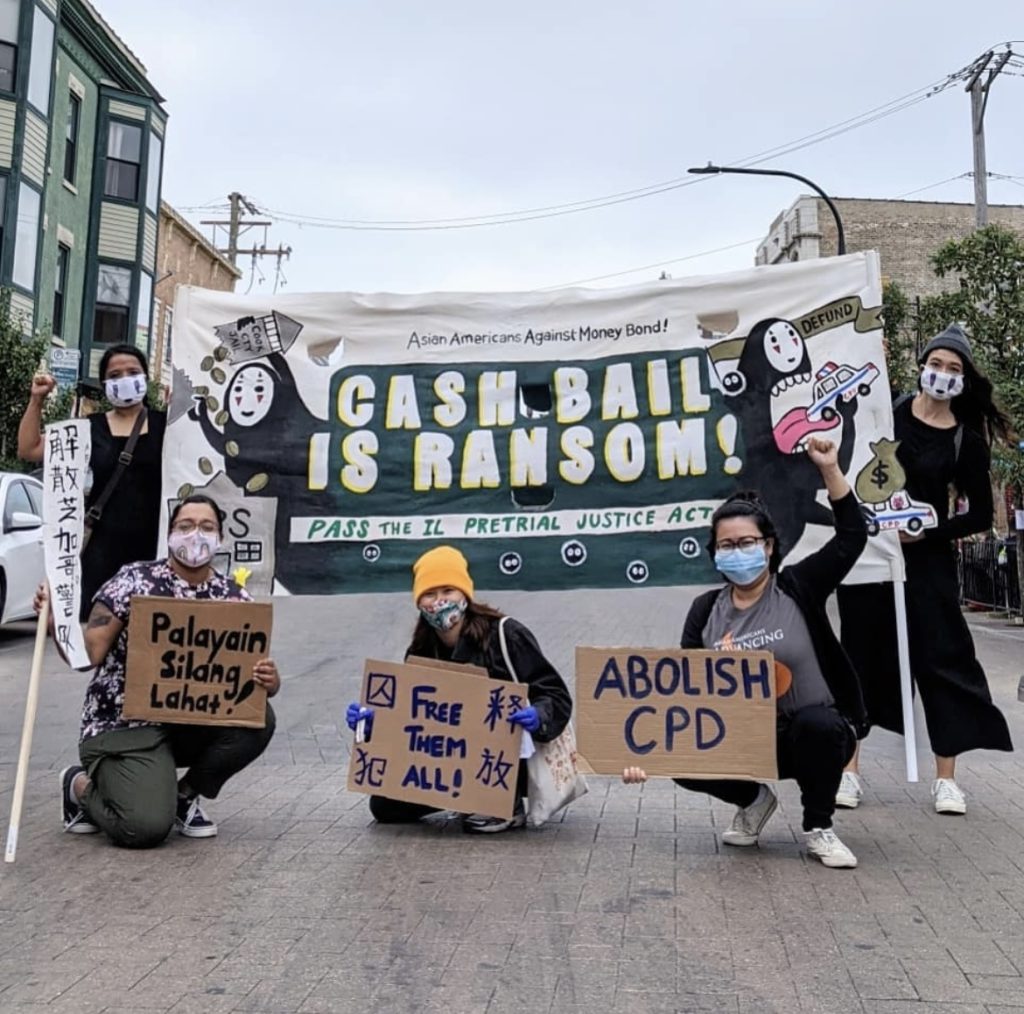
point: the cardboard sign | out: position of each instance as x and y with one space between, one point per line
67 447
440 736
699 714
190 661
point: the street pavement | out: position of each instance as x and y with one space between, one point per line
628 903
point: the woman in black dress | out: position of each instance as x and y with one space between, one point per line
945 432
128 529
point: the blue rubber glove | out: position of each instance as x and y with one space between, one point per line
356 713
526 717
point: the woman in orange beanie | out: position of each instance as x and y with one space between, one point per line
455 628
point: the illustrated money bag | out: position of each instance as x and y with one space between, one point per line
883 476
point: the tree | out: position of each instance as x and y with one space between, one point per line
989 265
896 339
20 357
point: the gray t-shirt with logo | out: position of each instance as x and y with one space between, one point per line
774 623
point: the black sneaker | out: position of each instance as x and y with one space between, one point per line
72 816
191 821
479 823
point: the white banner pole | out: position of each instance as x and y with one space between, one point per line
906 693
26 732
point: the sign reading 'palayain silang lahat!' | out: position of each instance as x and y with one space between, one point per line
566 439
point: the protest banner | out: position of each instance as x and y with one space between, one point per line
190 661
440 737
67 447
562 439
698 714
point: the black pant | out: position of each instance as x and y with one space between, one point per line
813 744
398 811
133 788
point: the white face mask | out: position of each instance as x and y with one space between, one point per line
193 549
941 386
123 392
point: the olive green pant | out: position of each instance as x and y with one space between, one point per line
133 782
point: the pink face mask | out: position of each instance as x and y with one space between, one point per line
193 549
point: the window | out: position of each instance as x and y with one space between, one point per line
124 149
9 12
168 332
41 63
35 494
26 241
145 311
71 137
3 207
153 173
59 288
113 299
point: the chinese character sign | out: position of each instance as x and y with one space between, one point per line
440 737
564 439
66 449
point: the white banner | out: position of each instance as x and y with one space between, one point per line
568 439
66 449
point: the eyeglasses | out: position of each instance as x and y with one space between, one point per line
747 542
188 527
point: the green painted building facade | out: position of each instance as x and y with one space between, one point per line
81 155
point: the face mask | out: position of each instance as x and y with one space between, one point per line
444 614
194 549
126 391
741 566
941 386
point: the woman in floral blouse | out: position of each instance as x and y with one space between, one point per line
127 782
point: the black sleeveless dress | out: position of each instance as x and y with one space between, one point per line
129 529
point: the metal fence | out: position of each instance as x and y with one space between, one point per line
988 574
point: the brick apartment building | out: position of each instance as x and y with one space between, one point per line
905 234
184 257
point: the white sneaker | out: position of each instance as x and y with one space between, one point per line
948 796
750 820
851 792
824 844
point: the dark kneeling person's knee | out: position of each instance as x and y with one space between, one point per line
397 811
142 830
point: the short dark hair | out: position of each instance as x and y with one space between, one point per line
199 498
747 503
122 350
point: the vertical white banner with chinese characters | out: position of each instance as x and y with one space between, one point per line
68 445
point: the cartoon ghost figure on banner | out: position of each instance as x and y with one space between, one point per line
780 402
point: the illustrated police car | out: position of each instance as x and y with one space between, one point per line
833 382
899 511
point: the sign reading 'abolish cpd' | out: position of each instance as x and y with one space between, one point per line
702 714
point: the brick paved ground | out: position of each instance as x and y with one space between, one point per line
627 904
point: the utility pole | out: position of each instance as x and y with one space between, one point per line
237 225
978 91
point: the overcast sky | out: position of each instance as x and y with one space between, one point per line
375 110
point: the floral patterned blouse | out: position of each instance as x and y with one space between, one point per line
105 695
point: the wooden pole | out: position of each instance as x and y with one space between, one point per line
26 732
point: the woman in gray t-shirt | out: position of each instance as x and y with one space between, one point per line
820 709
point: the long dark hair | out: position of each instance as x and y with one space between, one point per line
476 628
976 408
747 503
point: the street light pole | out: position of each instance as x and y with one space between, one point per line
711 170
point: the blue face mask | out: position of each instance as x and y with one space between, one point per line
741 566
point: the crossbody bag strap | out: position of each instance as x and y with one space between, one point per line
504 650
124 459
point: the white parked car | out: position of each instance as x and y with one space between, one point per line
21 544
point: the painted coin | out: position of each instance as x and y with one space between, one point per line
204 466
231 449
257 482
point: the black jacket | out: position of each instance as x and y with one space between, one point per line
809 584
547 690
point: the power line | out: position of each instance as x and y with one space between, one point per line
555 210
932 186
650 267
